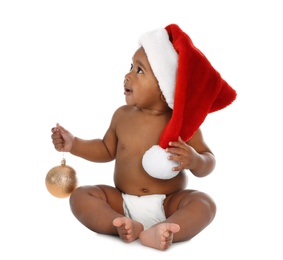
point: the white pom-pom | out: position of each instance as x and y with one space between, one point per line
155 162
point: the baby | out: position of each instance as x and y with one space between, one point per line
157 211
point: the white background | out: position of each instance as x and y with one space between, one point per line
64 61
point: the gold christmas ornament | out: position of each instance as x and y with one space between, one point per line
61 180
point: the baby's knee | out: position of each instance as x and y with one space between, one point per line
209 204
82 191
75 196
76 192
205 202
81 194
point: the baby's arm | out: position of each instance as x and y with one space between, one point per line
194 155
96 150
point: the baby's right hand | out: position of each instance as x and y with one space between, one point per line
62 139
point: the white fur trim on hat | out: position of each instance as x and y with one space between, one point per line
163 60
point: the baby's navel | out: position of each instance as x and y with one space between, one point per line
145 190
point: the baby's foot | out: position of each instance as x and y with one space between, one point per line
159 236
128 229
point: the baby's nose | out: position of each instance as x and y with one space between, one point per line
127 77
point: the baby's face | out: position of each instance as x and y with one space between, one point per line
141 86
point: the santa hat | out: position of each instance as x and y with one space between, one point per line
191 87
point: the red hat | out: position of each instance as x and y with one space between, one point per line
191 87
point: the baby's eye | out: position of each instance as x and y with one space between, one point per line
131 67
139 70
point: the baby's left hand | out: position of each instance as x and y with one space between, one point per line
183 154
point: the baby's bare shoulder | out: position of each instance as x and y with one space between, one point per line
121 114
124 110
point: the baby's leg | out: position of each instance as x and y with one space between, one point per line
128 229
97 206
191 210
159 236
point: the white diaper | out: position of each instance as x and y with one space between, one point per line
147 209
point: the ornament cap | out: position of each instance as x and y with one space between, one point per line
63 162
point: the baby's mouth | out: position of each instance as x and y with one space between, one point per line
128 90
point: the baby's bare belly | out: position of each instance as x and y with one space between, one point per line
138 182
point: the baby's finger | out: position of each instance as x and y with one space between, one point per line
178 168
180 143
179 160
174 157
175 150
55 129
59 146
